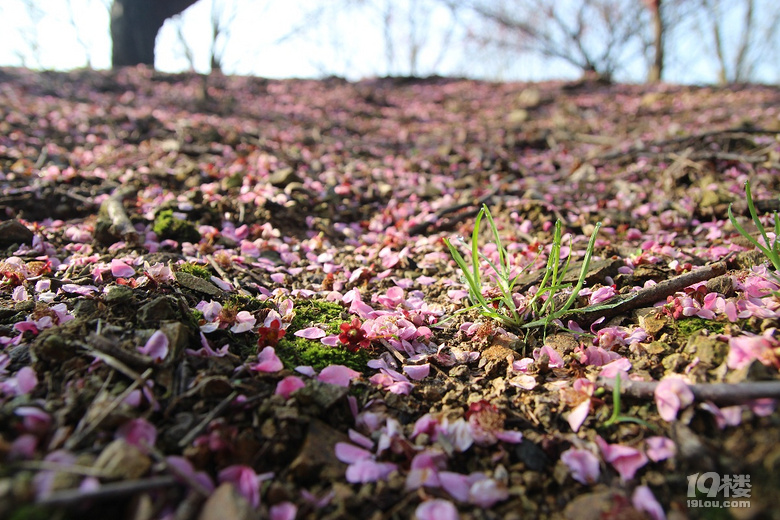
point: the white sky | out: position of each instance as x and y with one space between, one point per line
349 43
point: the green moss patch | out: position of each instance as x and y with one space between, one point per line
309 313
295 351
689 326
196 270
166 226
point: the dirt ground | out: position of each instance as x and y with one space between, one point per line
230 297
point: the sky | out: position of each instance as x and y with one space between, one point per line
266 40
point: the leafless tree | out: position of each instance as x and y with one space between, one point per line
596 36
741 34
82 35
28 33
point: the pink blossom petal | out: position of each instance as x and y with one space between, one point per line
349 453
337 375
368 470
244 322
744 349
578 415
509 436
246 481
583 464
436 509
554 358
671 395
524 381
487 492
138 432
644 500
283 511
306 370
728 416
183 467
19 294
331 340
456 484
311 333
268 361
34 419
417 372
156 347
610 370
625 459
23 382
119 269
23 447
659 448
288 385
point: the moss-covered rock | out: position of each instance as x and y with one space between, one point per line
167 226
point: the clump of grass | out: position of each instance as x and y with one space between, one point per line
771 250
502 308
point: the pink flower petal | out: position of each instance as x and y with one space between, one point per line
583 464
487 492
644 500
671 395
417 372
554 359
311 333
156 347
268 361
660 448
338 375
348 453
283 511
331 340
360 439
306 370
625 459
610 370
436 509
288 385
246 481
455 484
578 415
138 432
509 436
119 269
368 470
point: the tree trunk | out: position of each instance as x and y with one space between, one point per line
657 68
134 27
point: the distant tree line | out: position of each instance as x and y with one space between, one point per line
604 38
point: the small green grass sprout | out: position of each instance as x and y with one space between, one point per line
772 251
502 307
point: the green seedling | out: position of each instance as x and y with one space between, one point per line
772 251
616 416
502 307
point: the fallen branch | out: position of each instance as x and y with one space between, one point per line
112 490
722 394
622 304
187 439
114 210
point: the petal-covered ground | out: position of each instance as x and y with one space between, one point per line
231 297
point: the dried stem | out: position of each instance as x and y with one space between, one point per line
722 394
